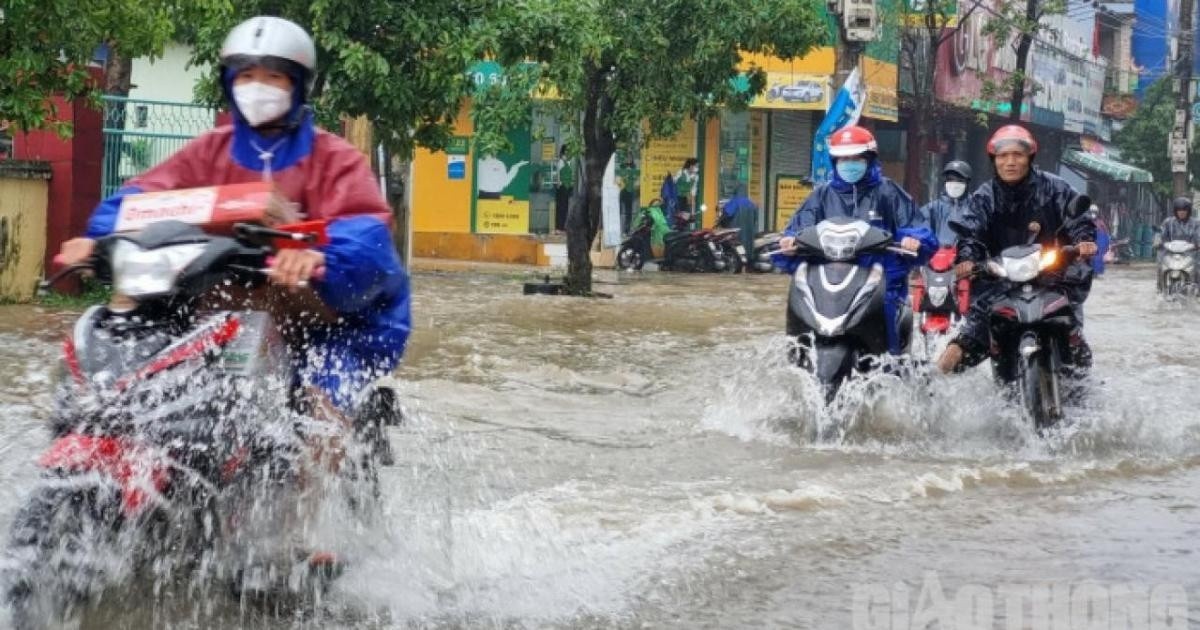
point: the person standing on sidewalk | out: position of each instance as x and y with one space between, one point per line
566 188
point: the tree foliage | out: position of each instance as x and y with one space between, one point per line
926 26
1145 139
400 64
47 45
628 70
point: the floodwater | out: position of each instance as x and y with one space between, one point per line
649 461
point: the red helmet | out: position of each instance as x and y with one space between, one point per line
850 141
1010 134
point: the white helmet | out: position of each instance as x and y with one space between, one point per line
271 42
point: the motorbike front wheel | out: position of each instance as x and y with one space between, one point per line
630 257
1040 395
733 260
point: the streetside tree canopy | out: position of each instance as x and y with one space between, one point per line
46 47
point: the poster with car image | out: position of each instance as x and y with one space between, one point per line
786 90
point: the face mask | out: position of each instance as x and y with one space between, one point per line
851 171
956 189
261 103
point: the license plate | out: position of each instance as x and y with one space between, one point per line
741 250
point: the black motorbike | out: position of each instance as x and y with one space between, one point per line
836 300
1030 327
684 249
180 440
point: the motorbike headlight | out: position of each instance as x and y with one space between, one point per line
1177 262
141 272
839 245
938 295
1023 269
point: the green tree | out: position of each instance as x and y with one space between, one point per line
1145 138
400 64
628 69
47 45
927 25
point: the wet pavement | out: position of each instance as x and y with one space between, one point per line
650 461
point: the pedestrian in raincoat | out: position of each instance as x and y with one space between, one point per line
1102 241
740 212
267 67
860 190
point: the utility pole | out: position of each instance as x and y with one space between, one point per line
858 23
1180 134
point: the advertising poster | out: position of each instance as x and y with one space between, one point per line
787 90
502 189
665 156
790 193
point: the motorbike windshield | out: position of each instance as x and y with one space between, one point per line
841 241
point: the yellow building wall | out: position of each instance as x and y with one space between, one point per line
441 204
821 60
710 163
23 204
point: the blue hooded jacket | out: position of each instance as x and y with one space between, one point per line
882 203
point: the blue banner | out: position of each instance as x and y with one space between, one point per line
845 110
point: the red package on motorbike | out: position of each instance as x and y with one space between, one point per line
217 208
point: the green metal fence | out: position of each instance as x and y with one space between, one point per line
139 134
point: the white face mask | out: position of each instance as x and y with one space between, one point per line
956 189
261 103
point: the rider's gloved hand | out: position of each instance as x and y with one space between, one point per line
294 267
75 251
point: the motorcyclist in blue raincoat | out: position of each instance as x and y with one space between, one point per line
936 214
859 189
267 67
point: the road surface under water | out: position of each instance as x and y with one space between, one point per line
649 461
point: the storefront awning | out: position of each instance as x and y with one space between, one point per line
1106 167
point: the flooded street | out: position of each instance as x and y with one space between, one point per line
650 461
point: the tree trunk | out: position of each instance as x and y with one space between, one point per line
583 214
118 73
1023 45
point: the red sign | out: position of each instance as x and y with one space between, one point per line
1119 105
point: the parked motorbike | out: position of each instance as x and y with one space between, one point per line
765 244
180 442
1030 329
836 298
685 249
938 298
1175 279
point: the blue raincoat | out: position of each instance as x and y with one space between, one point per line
882 203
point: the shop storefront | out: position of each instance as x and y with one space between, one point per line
1123 193
502 207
